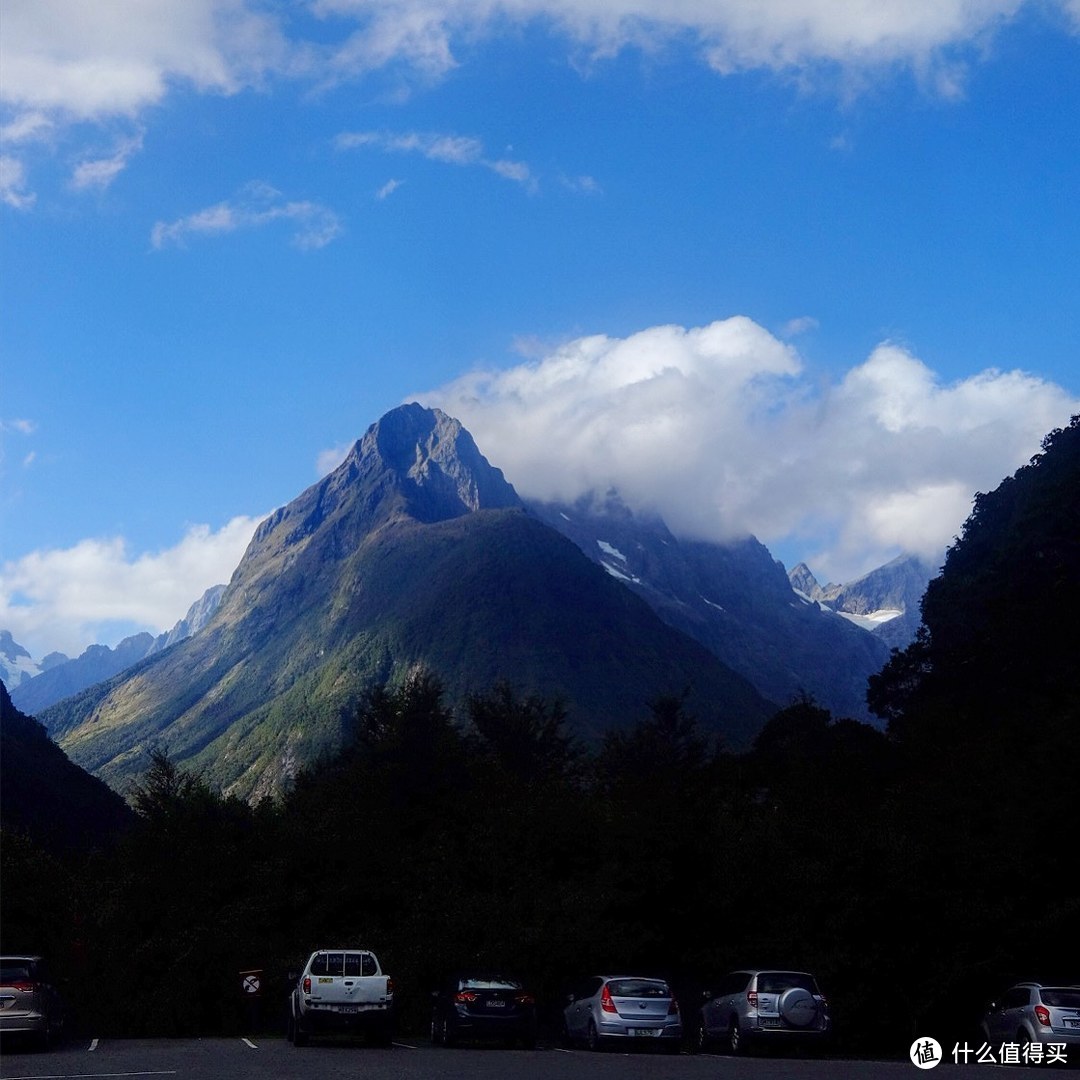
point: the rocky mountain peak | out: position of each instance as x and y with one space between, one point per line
414 464
433 452
802 580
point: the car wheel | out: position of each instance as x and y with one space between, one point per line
699 1037
300 1036
592 1038
735 1043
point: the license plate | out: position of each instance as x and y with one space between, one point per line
348 1008
644 1033
1072 1023
770 1021
496 1004
326 979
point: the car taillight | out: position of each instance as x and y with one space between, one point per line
525 999
605 1001
751 997
673 1008
389 986
307 986
465 995
1042 1014
24 986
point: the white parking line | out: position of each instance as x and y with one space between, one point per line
93 1044
93 1076
407 1046
244 1039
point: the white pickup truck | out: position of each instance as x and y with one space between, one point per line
343 991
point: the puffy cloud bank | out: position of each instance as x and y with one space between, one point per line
97 592
722 431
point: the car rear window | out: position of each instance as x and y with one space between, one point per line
639 988
776 982
481 983
343 963
14 973
1065 997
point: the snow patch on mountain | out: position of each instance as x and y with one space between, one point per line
610 549
873 619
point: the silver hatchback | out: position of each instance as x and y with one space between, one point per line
605 1009
763 1007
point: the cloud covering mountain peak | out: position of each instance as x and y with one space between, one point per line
724 431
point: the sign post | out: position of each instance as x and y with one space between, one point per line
251 990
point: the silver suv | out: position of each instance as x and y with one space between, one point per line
763 1007
1033 1012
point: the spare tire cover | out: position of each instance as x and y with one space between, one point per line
797 1006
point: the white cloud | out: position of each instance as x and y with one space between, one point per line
97 591
584 185
731 35
26 127
448 149
101 172
803 324
92 61
722 431
22 426
71 62
257 206
13 184
388 189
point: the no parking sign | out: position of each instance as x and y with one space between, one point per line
251 982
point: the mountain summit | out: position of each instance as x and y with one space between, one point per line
415 551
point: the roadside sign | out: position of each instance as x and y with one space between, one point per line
251 981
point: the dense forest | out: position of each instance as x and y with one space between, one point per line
915 870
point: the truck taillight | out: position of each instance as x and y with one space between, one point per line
1042 1014
389 986
605 1001
751 997
673 1008
307 986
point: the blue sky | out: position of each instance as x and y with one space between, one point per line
801 268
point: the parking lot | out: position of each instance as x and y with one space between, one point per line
274 1058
